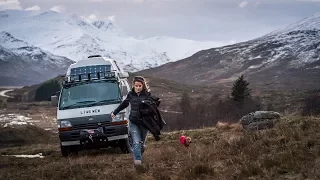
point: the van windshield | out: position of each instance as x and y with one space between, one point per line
89 94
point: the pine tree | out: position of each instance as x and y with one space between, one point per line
311 105
46 90
185 103
240 90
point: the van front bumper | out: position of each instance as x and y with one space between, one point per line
111 133
78 142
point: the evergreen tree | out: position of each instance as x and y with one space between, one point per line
311 105
240 90
185 103
46 90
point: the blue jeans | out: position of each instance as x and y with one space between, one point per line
139 136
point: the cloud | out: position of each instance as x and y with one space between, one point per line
257 4
309 0
95 17
33 8
92 17
138 1
232 41
243 4
112 18
58 9
10 4
134 1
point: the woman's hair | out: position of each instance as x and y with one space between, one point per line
143 81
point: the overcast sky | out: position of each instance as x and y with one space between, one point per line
202 20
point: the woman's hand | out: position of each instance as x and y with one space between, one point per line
112 115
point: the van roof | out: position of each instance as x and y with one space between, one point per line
95 60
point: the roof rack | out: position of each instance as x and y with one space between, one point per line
92 56
87 77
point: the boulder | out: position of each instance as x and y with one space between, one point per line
259 120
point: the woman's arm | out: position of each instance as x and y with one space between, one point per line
123 105
156 99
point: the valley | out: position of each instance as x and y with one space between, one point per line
196 83
215 153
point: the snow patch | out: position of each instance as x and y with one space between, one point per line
309 23
27 156
3 93
12 120
317 67
255 66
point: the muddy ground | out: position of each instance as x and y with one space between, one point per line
41 114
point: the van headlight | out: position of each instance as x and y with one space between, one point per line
119 119
64 124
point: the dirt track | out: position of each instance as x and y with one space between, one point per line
3 92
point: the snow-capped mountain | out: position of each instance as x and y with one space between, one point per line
178 49
308 23
75 38
24 64
286 57
108 26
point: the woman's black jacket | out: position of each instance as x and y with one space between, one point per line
144 111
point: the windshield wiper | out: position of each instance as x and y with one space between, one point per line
81 102
109 101
78 103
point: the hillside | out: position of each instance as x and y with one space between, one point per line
287 58
284 101
290 151
27 93
169 91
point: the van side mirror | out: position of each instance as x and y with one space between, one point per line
123 74
54 100
124 90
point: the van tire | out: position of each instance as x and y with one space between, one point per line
68 150
64 151
126 145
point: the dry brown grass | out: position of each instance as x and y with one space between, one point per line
3 102
289 151
24 135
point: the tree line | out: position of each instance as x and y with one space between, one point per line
207 111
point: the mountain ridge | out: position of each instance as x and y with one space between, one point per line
76 38
24 64
289 58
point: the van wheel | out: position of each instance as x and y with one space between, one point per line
126 145
68 150
64 151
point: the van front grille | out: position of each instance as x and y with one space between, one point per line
90 125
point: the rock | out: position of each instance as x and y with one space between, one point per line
259 120
23 107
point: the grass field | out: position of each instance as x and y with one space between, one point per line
289 151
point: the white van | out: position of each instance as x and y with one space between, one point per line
92 89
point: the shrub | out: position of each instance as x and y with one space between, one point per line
46 90
311 105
